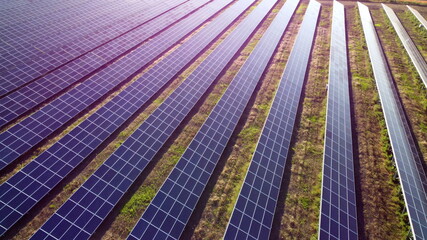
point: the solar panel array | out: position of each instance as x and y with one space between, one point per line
26 134
27 60
171 208
409 167
412 50
108 184
23 190
12 12
70 55
23 44
420 18
30 96
40 14
338 213
48 58
252 217
22 36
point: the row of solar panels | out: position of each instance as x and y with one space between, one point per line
408 161
169 211
28 55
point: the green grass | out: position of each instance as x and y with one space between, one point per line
139 200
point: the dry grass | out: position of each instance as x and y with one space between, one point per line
411 89
381 199
102 154
133 209
379 193
219 206
417 33
301 206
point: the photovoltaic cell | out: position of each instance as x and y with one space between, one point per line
11 14
23 190
416 57
171 208
131 158
338 214
22 13
252 217
418 16
26 40
26 134
408 163
21 101
27 61
32 31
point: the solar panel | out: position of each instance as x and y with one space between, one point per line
48 45
131 158
16 13
26 134
39 37
171 208
28 60
252 217
24 10
36 179
408 163
338 213
418 16
416 57
26 98
63 17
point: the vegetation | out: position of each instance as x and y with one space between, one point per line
302 201
410 87
380 200
412 2
374 155
119 227
224 194
417 32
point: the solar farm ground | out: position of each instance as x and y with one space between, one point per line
381 211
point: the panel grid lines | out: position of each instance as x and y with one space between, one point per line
411 173
258 197
207 146
42 61
338 219
133 155
69 151
21 101
62 109
412 50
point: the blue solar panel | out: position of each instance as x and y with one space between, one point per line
412 50
30 39
171 208
26 134
54 21
408 163
253 213
14 12
28 60
418 16
28 97
130 159
54 164
21 11
338 215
